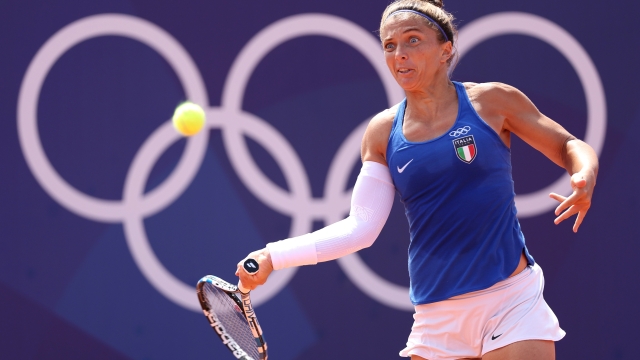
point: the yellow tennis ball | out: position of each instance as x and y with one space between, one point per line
188 119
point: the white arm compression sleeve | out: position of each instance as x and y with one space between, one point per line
371 203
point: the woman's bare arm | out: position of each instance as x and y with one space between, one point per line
507 109
376 137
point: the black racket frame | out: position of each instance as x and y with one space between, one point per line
244 303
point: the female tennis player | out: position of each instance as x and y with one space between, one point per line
445 149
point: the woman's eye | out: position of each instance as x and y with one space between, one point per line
388 46
413 40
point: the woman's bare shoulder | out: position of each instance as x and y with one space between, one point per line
374 142
491 91
384 119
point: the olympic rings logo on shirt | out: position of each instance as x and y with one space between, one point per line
234 123
460 131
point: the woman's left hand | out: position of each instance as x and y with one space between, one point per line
579 202
511 112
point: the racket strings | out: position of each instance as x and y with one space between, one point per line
230 316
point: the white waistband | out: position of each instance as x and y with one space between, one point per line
510 281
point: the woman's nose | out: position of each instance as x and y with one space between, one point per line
401 54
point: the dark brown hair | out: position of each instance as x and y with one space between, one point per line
433 9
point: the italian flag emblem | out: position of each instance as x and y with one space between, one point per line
465 148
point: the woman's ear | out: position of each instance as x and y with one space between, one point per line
447 51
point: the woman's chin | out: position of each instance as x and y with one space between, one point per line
408 85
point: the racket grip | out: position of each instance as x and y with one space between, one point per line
242 288
251 267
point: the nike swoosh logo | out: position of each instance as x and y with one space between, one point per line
401 169
495 337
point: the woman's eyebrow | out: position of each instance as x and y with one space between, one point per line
411 29
404 32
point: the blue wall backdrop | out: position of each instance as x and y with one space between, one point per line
108 218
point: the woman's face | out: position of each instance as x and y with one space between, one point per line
412 51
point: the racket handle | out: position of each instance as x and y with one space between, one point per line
242 288
251 267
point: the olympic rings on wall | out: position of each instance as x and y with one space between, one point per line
234 123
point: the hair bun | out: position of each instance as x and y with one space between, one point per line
438 3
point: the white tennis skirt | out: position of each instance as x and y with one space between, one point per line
472 324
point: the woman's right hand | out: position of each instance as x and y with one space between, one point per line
265 267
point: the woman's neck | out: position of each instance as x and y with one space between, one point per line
427 101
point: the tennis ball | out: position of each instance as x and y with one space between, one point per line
188 119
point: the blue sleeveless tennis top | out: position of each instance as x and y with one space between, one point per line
458 195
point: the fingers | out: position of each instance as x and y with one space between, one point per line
567 202
578 202
579 219
243 289
572 208
565 215
558 198
247 282
578 180
251 281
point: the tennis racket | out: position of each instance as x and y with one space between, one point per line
229 311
